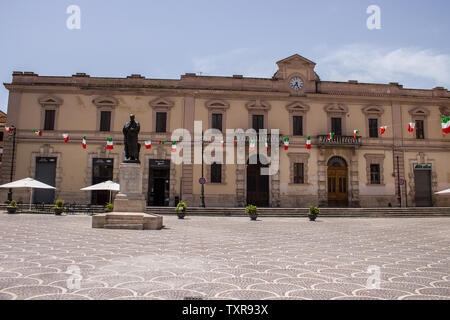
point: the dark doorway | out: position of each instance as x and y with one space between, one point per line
158 183
422 182
46 173
337 182
102 170
257 185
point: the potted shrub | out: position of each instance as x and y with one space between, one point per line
313 212
109 207
59 208
12 206
181 209
252 211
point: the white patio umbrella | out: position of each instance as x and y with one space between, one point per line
106 185
27 183
443 191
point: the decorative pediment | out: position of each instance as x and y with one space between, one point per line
161 103
373 110
50 100
336 108
217 104
419 111
105 101
297 106
257 105
296 60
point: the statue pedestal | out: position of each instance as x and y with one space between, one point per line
129 204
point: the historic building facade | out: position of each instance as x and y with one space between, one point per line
371 170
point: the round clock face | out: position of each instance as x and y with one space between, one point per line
296 83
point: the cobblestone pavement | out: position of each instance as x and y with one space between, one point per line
225 258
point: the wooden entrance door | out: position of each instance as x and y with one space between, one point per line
337 187
422 182
257 186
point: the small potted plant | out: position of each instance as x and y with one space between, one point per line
59 208
12 206
252 211
181 209
313 212
109 207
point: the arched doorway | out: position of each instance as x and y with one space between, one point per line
337 182
257 184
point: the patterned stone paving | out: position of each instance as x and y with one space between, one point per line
225 258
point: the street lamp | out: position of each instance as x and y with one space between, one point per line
203 185
12 134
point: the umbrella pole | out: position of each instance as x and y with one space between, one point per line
31 196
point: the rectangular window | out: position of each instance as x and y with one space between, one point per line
216 173
420 134
336 126
161 119
258 122
49 123
1 136
216 121
375 174
105 120
373 128
297 125
298 173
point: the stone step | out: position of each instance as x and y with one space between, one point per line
124 221
133 226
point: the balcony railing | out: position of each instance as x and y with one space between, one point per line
339 141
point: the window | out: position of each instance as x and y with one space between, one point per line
298 173
161 119
258 122
419 130
216 121
105 121
1 136
297 125
216 173
375 174
49 122
336 126
373 128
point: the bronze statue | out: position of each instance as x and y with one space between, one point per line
130 139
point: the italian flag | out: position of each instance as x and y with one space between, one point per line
330 135
148 144
162 142
308 143
355 133
252 145
411 126
66 137
174 146
109 144
222 143
8 129
445 125
267 146
38 132
383 129
83 143
286 143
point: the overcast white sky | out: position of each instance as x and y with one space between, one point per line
164 39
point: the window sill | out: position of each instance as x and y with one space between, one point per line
375 185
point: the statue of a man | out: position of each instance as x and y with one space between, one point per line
130 139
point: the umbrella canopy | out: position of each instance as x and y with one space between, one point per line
27 183
443 191
107 185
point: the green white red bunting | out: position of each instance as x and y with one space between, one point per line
109 144
411 126
330 135
148 144
66 137
38 132
355 133
267 146
383 129
8 129
84 142
286 143
252 145
308 143
445 122
174 146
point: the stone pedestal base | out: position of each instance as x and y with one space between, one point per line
129 204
